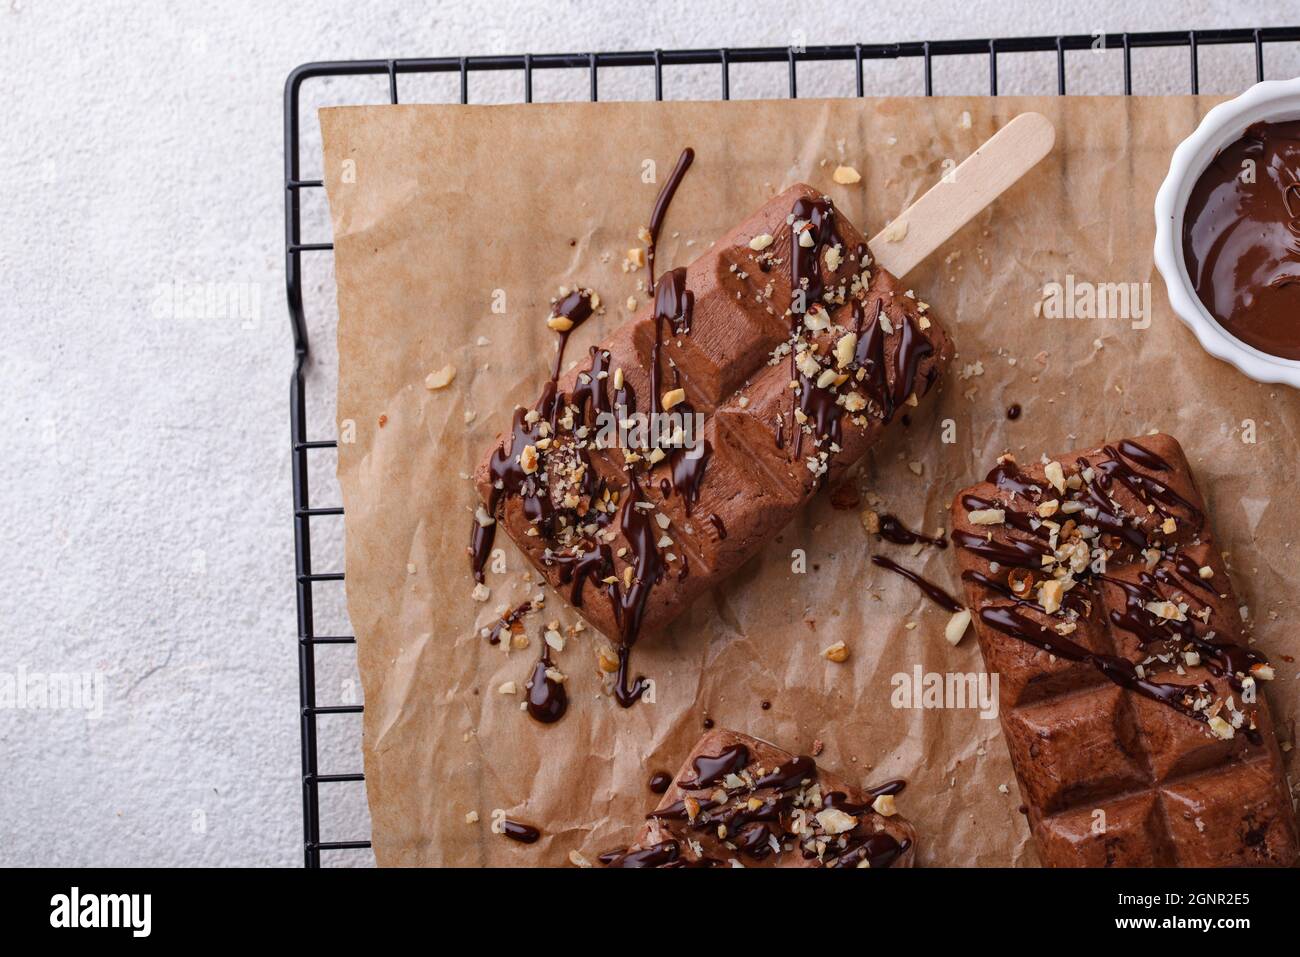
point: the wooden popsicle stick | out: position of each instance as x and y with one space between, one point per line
952 202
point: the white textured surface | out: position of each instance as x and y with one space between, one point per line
145 500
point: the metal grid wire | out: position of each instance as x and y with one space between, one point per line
903 55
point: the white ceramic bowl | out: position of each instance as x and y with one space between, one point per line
1274 100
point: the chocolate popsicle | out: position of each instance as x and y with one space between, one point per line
1130 697
739 801
795 348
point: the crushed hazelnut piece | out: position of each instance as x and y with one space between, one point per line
956 627
440 379
838 652
884 805
846 175
835 821
1056 475
1050 594
528 459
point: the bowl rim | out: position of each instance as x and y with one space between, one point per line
1188 162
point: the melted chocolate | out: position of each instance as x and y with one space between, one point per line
1223 658
660 782
751 816
892 530
709 770
660 210
547 699
507 622
523 833
928 588
1241 238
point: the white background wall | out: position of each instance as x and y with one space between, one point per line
145 504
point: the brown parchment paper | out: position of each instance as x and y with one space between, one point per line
445 211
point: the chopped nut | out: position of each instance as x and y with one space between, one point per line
528 459
884 805
835 821
440 379
1056 475
846 175
826 378
636 255
673 397
870 521
1165 610
761 242
481 592
956 627
1221 728
838 652
471 817
607 661
1169 526
987 516
559 323
916 468
1049 508
1050 594
1205 571
483 518
577 860
507 687
845 349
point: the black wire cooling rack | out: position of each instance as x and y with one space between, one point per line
905 55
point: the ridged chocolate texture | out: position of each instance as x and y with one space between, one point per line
753 483
1111 774
771 825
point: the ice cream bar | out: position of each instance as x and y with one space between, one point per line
783 349
739 801
1131 700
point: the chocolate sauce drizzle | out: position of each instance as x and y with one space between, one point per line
820 406
752 817
507 622
1223 658
507 472
591 561
523 833
928 588
547 699
709 770
893 530
660 210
